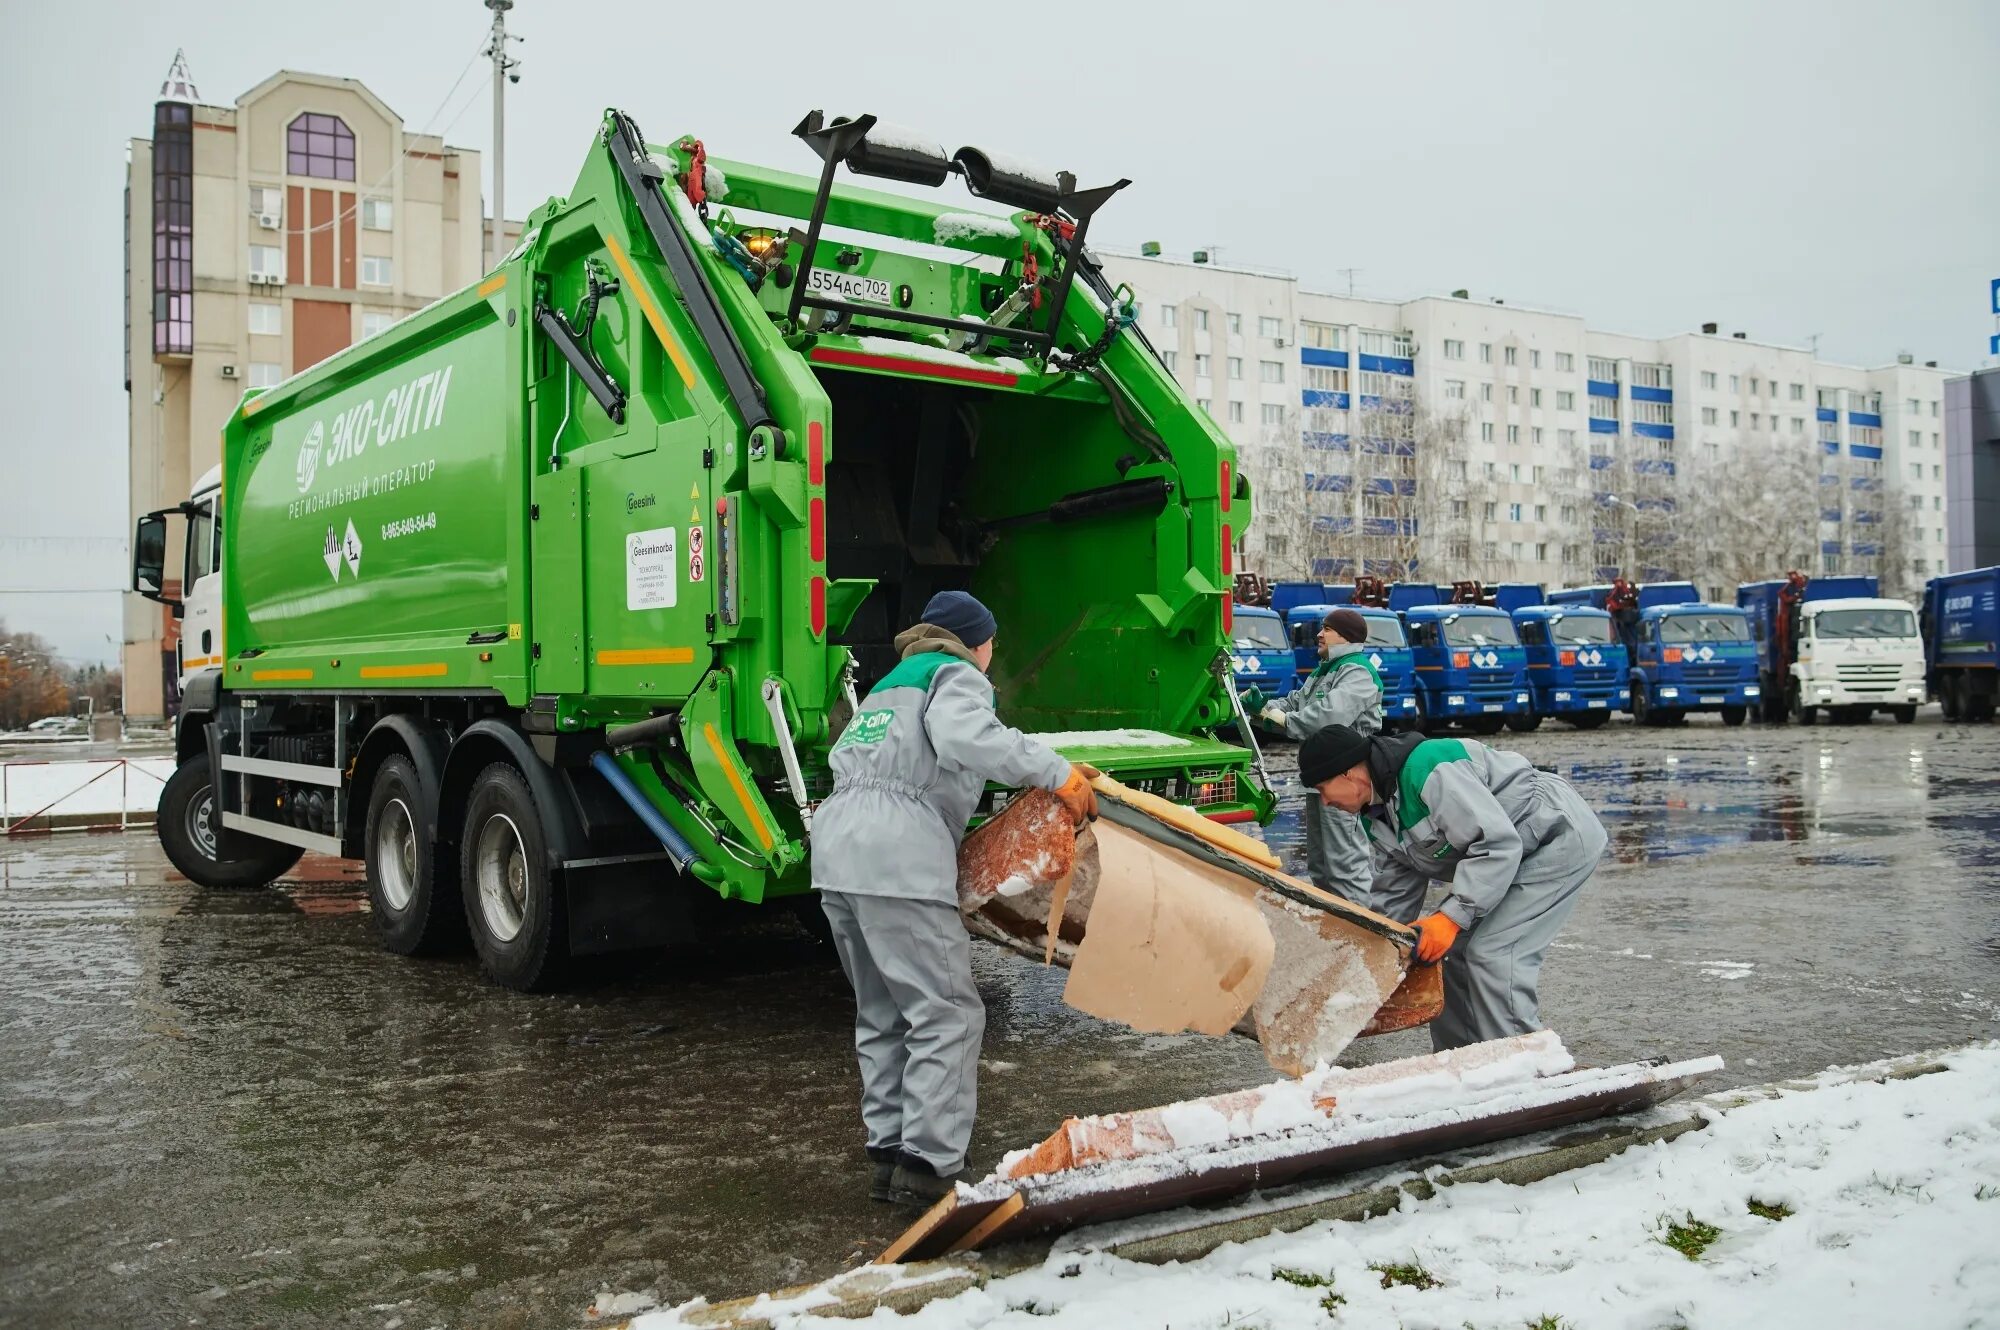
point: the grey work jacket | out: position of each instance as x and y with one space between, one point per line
1457 811
1344 689
908 772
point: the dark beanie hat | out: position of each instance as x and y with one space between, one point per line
1331 752
961 614
1348 623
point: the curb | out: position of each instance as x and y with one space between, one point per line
860 1293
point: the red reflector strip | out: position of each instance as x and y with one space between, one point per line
816 605
1233 815
815 454
930 369
1228 553
1225 487
816 529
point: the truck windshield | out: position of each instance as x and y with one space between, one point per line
1480 631
1256 633
1865 623
1587 630
1385 632
1704 628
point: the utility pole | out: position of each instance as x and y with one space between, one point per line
503 67
1349 272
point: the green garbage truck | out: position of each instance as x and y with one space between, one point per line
549 602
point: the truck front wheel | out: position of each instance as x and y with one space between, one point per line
1735 715
1802 713
187 822
1905 715
511 904
412 888
1524 722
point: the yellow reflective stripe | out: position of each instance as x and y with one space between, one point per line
648 656
494 283
427 670
652 311
281 676
736 783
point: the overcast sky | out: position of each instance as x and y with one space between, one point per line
1827 168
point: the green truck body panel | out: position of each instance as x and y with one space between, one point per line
448 507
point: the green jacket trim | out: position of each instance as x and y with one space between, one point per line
915 671
1425 758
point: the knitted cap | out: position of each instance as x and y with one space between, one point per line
1348 623
1330 752
961 614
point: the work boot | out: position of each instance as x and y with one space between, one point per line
917 1185
882 1160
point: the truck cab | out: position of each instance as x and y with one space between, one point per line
1469 667
1578 670
198 606
1693 657
1260 653
1388 652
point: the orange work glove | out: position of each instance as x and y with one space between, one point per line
1078 797
1435 934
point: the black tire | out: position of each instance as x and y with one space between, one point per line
1590 720
1670 717
1641 713
412 883
1948 699
1735 715
1525 723
1802 713
1979 707
1485 724
513 909
1771 707
1905 715
187 822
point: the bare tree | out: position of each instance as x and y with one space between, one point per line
1752 513
1414 485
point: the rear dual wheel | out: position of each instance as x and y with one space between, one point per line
412 881
513 907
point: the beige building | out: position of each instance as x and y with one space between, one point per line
261 238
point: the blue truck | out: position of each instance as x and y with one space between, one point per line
1260 650
1961 625
1693 657
1511 596
1388 651
1470 668
1578 669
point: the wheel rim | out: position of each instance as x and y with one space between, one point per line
500 868
198 820
395 855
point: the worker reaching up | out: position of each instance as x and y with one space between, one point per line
1343 689
1511 844
908 771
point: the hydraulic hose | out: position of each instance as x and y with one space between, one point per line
683 854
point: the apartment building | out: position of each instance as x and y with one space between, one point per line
262 237
1451 436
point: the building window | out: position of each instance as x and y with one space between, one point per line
1513 395
1486 431
1271 371
1324 336
1456 469
1513 512
1708 415
1374 383
1535 436
1798 424
1653 376
266 319
265 373
267 262
1753 385
1454 349
1236 367
1202 402
1513 434
1509 352
320 145
377 271
1375 343
1565 362
1485 392
1708 378
1603 408
1798 392
378 215
1460 508
1541 509
1566 438
1534 360
1167 359
1916 473
376 320
1754 424
173 229
1273 414
1534 397
268 201
1934 407
1454 389
1167 316
1201 362
1603 369
1486 353
1659 413
1236 413
1201 320
1916 438
1735 419
1235 324
1565 401
1324 378
1492 511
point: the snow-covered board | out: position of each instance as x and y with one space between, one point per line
1334 1121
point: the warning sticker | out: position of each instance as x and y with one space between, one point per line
697 555
651 569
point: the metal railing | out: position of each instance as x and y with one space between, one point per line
42 819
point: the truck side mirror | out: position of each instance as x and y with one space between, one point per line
149 559
1302 635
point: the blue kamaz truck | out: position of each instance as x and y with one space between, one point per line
1578 670
1470 668
1260 650
1961 622
1693 657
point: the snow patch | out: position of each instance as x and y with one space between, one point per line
1008 164
889 134
937 355
1014 886
962 225
714 182
1113 739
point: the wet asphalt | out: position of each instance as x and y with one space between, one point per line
234 1110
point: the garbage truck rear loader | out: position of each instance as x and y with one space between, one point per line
554 597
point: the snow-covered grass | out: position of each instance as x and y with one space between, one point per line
1850 1205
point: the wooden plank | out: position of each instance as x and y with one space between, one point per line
986 1229
939 1227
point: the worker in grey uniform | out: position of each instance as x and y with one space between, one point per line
908 770
1511 844
1343 689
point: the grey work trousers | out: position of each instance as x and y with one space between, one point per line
1338 856
918 1021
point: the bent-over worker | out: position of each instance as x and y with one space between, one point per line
908 772
1343 689
1513 845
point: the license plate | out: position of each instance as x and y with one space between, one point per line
1495 706
848 286
1599 705
1711 701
